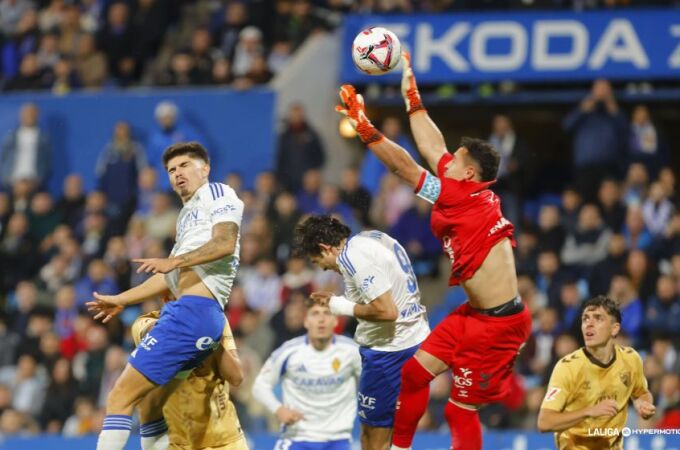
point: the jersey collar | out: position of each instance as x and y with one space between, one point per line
597 361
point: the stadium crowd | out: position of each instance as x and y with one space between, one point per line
615 230
65 45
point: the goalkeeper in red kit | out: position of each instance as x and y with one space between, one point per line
480 340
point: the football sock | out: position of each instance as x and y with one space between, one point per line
115 432
152 434
412 402
466 430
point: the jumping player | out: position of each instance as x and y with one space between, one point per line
480 340
199 413
382 293
199 273
319 374
589 389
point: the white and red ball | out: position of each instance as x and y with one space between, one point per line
376 51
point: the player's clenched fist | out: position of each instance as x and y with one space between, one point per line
644 408
288 416
409 89
353 108
604 408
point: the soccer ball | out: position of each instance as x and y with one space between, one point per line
376 51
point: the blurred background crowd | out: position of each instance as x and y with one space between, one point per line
612 227
64 45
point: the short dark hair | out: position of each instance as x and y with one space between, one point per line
608 304
317 230
485 155
193 149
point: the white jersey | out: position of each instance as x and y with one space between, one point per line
322 385
371 264
211 203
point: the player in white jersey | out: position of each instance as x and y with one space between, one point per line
199 273
318 374
381 291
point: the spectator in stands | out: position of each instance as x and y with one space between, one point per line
70 30
550 276
279 56
117 40
204 54
71 205
551 234
588 244
526 252
30 77
22 41
83 422
17 253
161 221
170 131
118 168
181 71
89 365
48 51
663 309
51 16
514 170
647 145
302 22
569 307
601 276
235 20
288 322
65 311
571 205
27 382
11 12
600 133
635 187
221 73
392 200
285 215
147 188
114 363
262 287
632 309
116 258
258 73
372 170
64 77
150 21
657 210
250 45
26 152
42 217
308 196
299 149
636 233
60 397
412 230
90 63
98 279
611 207
355 195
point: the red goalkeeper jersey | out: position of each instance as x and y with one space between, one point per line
467 219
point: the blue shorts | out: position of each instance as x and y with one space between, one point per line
188 330
379 385
287 444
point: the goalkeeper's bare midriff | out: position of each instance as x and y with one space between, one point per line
191 284
495 282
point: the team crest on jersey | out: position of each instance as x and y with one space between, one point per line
335 364
552 394
625 378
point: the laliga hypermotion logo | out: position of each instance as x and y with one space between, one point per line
367 52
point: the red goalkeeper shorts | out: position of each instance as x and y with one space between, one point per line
481 351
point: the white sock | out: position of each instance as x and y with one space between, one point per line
112 439
394 447
159 442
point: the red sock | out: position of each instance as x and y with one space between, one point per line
413 397
466 430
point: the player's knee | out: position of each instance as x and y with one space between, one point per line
414 376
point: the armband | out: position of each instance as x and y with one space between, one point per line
429 187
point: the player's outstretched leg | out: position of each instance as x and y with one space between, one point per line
466 430
414 395
129 389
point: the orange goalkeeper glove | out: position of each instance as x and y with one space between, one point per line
353 108
409 89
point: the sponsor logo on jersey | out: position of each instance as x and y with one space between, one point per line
223 210
502 223
204 343
336 364
367 282
366 402
412 310
552 394
301 369
448 248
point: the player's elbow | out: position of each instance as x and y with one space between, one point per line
236 379
389 314
544 424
